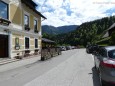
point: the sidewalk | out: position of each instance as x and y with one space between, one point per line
19 63
7 60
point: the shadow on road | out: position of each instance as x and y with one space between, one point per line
95 77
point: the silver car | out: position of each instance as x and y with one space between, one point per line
104 60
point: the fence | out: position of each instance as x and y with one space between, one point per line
49 52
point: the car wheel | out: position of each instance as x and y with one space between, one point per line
102 83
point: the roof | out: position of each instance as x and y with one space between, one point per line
32 5
105 34
108 48
47 40
33 2
112 26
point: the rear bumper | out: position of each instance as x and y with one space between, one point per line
109 83
108 79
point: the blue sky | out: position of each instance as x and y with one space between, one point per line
74 12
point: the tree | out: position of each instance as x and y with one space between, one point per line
112 40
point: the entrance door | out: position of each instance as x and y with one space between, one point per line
3 46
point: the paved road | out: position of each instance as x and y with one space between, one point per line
72 68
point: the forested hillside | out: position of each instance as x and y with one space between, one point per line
87 32
58 30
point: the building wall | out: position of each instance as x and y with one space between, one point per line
39 24
21 42
32 16
16 16
39 43
31 21
17 11
22 45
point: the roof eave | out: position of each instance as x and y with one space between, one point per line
34 9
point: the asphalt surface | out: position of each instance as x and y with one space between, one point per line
72 68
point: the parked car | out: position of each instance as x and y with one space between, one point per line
68 47
91 48
63 48
104 61
88 48
73 47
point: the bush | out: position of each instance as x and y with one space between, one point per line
112 40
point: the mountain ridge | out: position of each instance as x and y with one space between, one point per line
48 29
87 32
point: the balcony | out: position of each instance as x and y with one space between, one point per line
36 31
4 22
27 28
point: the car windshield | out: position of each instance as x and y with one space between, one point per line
111 54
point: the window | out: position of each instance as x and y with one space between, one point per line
103 52
36 43
26 20
26 43
111 54
35 24
3 10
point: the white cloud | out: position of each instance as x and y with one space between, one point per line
113 14
74 12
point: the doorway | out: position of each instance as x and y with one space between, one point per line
3 46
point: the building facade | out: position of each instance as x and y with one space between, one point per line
20 28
